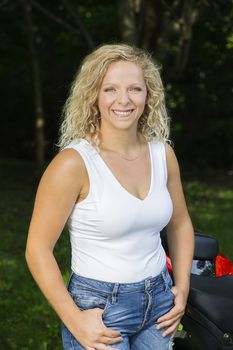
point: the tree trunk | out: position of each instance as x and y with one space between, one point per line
189 15
127 23
38 102
161 27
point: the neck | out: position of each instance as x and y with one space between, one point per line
122 141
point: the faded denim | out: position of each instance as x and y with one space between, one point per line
131 308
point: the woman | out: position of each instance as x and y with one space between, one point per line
117 180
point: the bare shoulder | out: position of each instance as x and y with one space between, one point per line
59 188
67 169
68 160
172 163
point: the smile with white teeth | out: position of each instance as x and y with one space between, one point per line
122 113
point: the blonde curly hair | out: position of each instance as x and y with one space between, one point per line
81 115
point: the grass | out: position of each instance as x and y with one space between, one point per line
26 320
211 207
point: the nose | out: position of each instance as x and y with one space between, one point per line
123 98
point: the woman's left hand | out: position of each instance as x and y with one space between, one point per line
172 319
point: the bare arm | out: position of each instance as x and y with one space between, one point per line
181 244
180 230
57 193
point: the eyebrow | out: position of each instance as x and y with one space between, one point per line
129 84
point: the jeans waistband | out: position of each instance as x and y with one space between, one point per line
109 287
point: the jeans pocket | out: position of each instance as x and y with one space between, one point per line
86 299
106 307
168 283
169 289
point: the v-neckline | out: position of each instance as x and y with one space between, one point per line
116 179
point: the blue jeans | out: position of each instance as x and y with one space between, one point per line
131 308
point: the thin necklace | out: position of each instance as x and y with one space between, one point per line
125 158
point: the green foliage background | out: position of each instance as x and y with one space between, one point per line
200 101
200 104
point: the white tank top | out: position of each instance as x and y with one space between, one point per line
115 236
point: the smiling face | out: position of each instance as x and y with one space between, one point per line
122 96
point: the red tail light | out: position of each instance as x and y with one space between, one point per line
169 264
223 265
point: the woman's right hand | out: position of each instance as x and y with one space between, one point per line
92 333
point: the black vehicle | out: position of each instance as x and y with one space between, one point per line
208 320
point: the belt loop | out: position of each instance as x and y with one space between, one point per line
114 293
164 280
